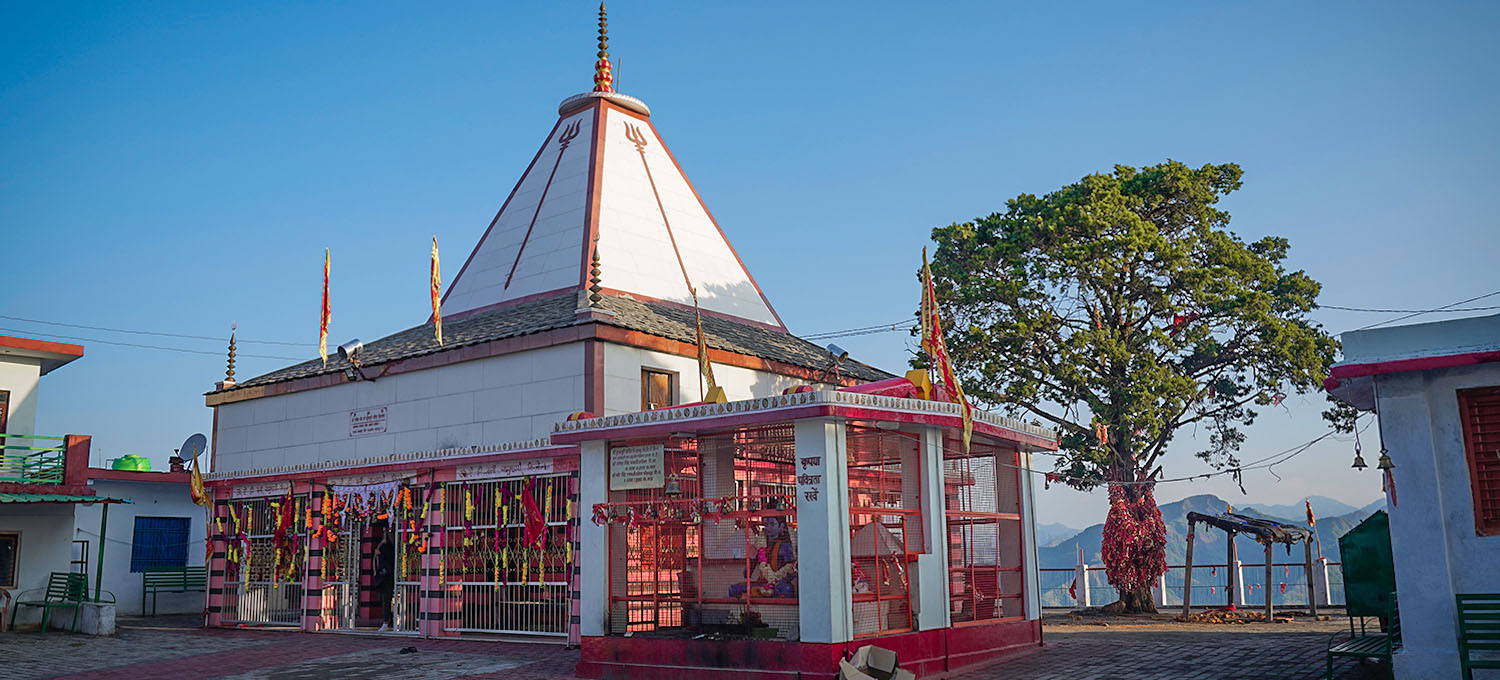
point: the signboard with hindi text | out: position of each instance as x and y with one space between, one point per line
637 467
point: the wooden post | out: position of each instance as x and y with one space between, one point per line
1269 609
1307 569
1232 572
1187 579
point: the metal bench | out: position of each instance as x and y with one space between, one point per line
1368 645
1478 630
63 590
157 580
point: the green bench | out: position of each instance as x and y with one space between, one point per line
64 590
1478 630
1369 645
157 580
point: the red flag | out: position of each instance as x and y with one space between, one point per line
1311 521
937 351
437 290
1073 589
327 313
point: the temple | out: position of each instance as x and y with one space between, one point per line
558 468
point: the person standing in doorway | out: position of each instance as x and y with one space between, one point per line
385 577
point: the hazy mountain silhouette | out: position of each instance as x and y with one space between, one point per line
1048 535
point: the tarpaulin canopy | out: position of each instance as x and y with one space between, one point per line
1264 530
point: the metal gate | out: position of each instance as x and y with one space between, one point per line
261 596
340 597
406 602
493 581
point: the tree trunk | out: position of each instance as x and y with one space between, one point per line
1134 546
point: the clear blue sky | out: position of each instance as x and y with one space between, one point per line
181 167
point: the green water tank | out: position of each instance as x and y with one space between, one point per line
133 462
1369 573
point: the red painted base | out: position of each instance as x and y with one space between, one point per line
929 654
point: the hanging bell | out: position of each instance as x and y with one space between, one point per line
1385 461
1359 462
674 486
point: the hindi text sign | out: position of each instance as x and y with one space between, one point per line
637 467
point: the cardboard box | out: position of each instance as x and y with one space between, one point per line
873 663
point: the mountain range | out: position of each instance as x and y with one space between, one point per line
1210 544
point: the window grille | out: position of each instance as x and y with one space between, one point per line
982 501
886 527
717 555
1480 412
159 542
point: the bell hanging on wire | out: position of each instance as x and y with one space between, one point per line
1359 459
1385 461
674 486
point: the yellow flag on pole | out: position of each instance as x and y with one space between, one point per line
937 351
437 293
195 485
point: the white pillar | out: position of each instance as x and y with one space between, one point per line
1159 591
1239 583
1320 582
824 593
593 540
1029 561
1081 578
930 582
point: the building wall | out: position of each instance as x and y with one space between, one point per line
622 378
1437 553
19 375
46 546
508 398
149 499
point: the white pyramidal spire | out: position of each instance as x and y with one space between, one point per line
605 172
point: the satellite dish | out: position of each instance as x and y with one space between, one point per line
194 444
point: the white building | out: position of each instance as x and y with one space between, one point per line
1436 388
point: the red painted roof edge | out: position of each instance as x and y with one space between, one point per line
1404 365
139 476
68 349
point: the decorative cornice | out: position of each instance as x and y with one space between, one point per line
782 401
444 455
624 100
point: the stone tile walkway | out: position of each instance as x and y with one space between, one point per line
169 647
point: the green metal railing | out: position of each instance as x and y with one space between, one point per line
29 463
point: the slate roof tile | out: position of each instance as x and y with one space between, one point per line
559 311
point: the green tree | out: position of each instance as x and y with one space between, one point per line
1119 310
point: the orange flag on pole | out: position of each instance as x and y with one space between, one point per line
937 351
327 313
437 293
705 367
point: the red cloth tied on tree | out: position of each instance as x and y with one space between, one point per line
1135 538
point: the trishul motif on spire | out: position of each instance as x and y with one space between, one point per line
604 80
569 133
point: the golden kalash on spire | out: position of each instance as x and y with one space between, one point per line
603 79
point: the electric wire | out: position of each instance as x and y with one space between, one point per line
1420 313
160 333
182 350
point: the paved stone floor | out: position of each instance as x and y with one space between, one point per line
168 647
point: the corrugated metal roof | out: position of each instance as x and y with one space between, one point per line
56 498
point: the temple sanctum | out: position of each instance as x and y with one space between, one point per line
571 464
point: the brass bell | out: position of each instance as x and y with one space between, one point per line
674 486
1385 461
1359 462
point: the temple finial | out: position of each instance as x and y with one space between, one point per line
229 372
595 290
603 78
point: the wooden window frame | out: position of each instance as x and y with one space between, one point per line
1483 526
15 560
672 386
